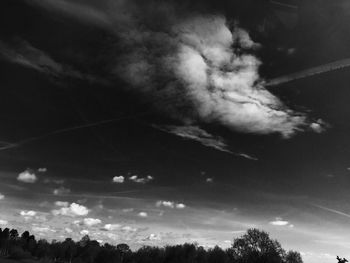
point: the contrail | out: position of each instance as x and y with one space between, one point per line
336 65
64 130
331 210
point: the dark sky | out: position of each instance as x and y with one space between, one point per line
151 121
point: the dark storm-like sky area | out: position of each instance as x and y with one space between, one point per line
198 178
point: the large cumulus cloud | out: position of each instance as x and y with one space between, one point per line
192 65
201 69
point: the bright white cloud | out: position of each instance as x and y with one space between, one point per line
118 179
91 221
279 222
3 222
211 74
180 206
110 227
170 204
29 213
165 203
2 196
153 237
141 180
73 210
84 232
142 214
68 230
43 229
27 177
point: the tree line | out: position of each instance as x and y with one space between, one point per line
254 246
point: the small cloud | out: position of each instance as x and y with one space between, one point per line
319 126
84 232
111 227
1 196
153 237
141 180
91 221
128 210
44 229
279 222
42 170
118 179
180 206
29 213
76 222
68 230
209 180
3 222
142 214
165 203
170 204
61 203
27 177
73 210
61 191
129 229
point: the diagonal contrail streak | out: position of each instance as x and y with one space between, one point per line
336 65
64 130
331 210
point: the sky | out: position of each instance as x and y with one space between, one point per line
164 122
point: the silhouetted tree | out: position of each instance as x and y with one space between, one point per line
253 247
256 246
293 257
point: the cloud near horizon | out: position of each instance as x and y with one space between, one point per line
72 210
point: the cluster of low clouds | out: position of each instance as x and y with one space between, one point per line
134 178
72 210
170 204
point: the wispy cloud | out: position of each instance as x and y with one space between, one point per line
23 53
61 191
91 221
334 211
196 133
